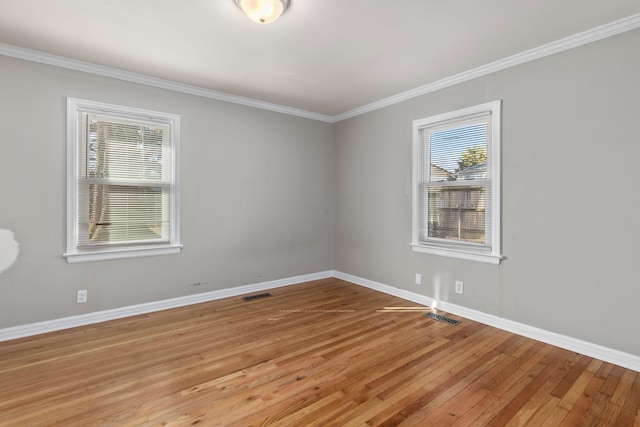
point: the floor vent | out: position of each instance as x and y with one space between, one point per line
258 296
442 318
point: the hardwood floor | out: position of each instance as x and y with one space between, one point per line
324 353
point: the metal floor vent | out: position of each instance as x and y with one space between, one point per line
258 296
442 318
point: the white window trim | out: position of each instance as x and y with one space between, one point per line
75 254
445 248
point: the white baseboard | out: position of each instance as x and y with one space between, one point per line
616 357
133 310
596 351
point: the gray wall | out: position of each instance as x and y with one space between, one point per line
256 197
570 195
267 196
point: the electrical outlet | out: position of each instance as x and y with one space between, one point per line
459 287
81 296
418 279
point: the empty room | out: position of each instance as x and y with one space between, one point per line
319 213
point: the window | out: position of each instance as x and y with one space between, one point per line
122 192
456 184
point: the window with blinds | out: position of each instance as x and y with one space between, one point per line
457 183
122 182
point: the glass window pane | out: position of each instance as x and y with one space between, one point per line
122 213
457 213
128 151
458 153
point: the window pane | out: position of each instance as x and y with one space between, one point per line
122 213
458 153
125 150
457 213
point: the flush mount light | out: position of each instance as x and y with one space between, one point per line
263 11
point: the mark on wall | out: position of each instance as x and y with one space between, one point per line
8 249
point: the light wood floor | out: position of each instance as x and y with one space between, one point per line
324 353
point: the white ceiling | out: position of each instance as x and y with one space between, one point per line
322 56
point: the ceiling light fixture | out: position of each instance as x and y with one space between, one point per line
263 11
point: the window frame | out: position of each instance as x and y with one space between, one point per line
76 252
449 248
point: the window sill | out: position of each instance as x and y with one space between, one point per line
484 257
104 255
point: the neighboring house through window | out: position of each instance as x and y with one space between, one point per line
122 192
456 185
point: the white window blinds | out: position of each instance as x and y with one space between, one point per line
124 183
456 191
124 180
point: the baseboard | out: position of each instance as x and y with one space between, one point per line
616 357
596 351
119 313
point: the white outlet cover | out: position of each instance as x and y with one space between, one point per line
81 296
459 287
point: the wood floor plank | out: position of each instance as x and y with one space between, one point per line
322 353
584 401
546 382
543 411
631 406
452 398
515 406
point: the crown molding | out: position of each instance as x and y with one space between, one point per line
586 37
115 73
617 27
